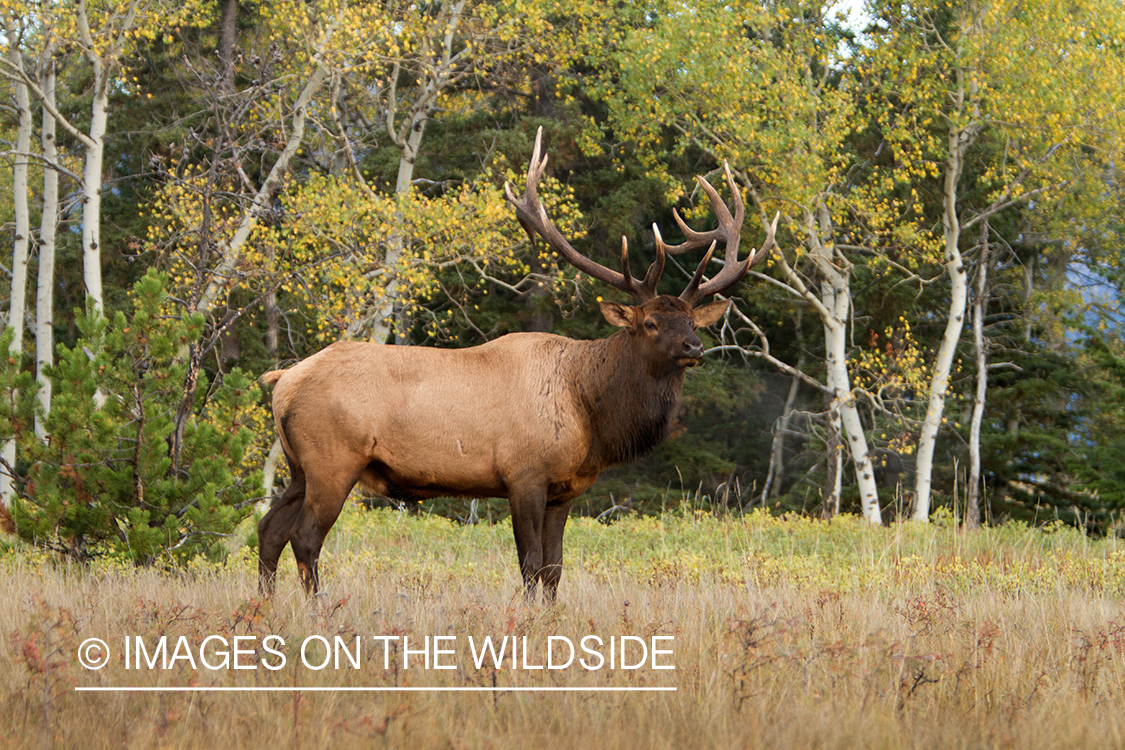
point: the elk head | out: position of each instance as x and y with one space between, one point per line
662 324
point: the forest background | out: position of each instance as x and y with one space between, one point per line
202 191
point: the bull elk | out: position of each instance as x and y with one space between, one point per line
532 417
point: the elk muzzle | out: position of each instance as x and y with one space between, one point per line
692 352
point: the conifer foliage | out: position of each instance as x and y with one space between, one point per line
105 481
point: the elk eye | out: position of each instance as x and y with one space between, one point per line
650 326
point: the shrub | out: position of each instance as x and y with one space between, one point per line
107 480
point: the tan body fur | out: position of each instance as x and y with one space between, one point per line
421 422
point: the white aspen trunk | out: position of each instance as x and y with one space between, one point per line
269 474
379 318
834 508
92 189
408 154
92 197
836 470
958 280
833 443
1028 296
45 284
404 186
103 67
844 403
836 302
18 300
965 103
974 493
833 306
382 316
223 277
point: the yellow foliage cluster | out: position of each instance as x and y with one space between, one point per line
331 249
895 372
1033 81
739 87
106 29
372 39
892 366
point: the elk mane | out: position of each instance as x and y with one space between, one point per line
630 412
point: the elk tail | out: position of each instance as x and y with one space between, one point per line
270 378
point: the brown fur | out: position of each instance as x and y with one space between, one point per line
532 417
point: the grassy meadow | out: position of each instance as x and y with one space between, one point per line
784 633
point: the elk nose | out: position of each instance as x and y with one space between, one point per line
693 348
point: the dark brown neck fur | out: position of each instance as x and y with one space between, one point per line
630 410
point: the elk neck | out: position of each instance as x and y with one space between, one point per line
630 406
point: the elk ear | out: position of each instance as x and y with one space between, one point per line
618 315
710 314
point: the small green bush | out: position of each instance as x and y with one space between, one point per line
106 481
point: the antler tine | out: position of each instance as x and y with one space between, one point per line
627 274
731 273
729 226
768 243
656 268
690 293
534 220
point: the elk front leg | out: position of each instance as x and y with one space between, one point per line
528 510
554 522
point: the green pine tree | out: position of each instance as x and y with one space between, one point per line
105 482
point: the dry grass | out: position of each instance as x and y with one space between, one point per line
788 634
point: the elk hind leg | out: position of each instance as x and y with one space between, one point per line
324 499
274 528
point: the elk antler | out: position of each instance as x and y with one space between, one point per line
729 231
533 218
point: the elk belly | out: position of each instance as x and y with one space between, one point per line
446 468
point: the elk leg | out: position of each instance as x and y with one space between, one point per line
553 524
324 499
274 528
528 509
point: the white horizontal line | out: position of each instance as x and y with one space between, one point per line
322 689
